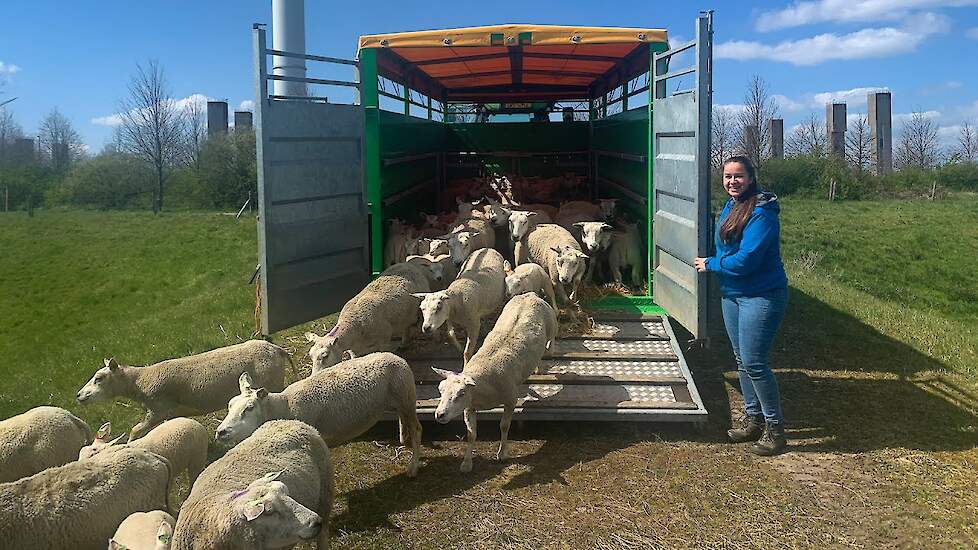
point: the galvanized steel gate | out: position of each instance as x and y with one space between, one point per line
312 240
681 182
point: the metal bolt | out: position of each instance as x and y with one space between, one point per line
575 39
447 41
385 42
641 36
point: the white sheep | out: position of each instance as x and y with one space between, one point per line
472 234
420 270
144 531
529 277
512 351
399 235
272 490
79 505
187 386
341 402
626 252
572 212
555 249
40 438
478 291
595 237
385 308
182 441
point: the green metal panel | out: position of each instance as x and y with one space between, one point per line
408 160
371 104
519 136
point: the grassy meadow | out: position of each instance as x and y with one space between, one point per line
876 359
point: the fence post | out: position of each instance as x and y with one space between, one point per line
933 190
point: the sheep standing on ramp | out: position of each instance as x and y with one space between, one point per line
272 490
188 386
341 402
367 323
511 352
478 291
182 441
79 505
529 277
40 438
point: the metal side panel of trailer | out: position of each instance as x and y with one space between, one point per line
627 367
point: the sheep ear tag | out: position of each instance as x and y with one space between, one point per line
253 509
103 432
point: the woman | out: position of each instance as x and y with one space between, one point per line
755 291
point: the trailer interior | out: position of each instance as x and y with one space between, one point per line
525 101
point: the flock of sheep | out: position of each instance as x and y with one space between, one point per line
60 487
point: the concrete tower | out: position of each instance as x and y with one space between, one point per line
880 131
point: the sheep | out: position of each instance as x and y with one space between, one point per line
182 441
472 234
529 277
419 270
427 246
341 402
144 531
40 438
272 490
626 251
595 237
478 291
581 211
79 505
187 386
512 351
522 222
555 249
384 308
399 235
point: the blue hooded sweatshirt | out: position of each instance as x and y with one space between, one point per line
751 265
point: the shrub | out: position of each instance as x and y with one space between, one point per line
109 180
959 176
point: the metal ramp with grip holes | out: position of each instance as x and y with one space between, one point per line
625 368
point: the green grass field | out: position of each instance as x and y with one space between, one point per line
877 362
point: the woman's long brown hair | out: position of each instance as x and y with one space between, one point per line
732 227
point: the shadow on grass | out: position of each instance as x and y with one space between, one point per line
846 387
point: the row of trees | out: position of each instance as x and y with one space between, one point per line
917 153
160 149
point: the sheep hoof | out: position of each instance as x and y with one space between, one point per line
503 454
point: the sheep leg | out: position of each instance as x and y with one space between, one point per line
152 420
548 291
452 338
470 445
559 289
411 429
503 453
615 272
471 339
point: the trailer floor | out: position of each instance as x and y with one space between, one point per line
627 367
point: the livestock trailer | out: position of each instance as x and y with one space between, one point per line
432 106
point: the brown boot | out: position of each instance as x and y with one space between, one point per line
750 429
772 441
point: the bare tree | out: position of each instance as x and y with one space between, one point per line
152 125
195 115
967 149
724 137
808 139
9 131
59 144
918 146
859 144
753 122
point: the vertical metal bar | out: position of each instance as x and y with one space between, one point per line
406 92
371 155
624 97
429 107
704 102
261 104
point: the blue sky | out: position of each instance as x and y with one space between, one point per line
78 56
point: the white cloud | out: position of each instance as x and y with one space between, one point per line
246 105
900 119
972 33
733 109
848 11
8 68
865 43
845 96
108 120
789 105
182 104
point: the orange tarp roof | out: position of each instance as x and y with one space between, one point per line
513 61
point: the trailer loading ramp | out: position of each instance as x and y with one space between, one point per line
626 367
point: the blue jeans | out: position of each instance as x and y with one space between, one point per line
751 325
